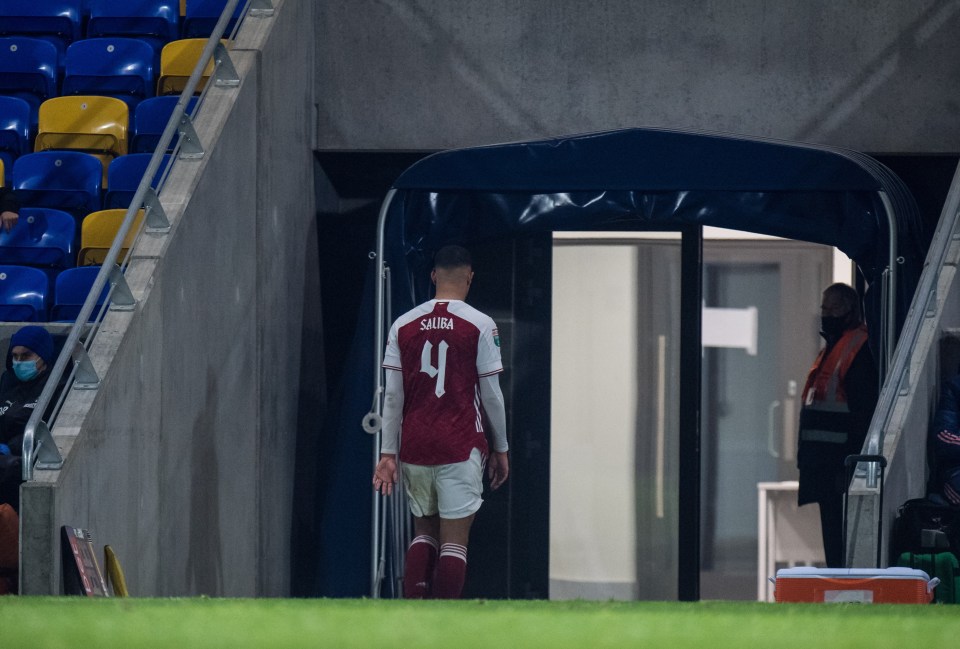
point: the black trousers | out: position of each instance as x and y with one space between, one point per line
831 524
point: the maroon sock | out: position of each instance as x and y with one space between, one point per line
451 571
418 567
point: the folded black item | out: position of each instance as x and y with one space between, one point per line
924 525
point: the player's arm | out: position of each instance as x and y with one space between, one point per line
386 475
496 415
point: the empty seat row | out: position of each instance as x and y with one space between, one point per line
25 294
122 68
72 181
47 238
62 22
97 125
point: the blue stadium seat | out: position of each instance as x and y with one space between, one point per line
64 180
23 294
202 16
28 70
14 132
113 67
124 175
71 290
56 21
42 237
149 120
156 22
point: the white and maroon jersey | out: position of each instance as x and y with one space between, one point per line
442 348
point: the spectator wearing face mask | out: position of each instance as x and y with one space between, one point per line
29 359
838 402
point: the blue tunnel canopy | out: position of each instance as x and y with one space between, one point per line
635 179
654 179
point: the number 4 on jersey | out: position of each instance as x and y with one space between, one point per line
426 364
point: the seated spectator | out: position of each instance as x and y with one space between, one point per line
29 359
945 443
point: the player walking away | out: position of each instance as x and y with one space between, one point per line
442 361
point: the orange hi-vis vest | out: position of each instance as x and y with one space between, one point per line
824 390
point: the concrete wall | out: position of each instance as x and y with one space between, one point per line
431 74
183 459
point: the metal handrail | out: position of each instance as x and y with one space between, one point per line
38 445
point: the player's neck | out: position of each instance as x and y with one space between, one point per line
446 292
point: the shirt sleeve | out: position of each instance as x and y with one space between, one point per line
392 412
391 356
492 399
488 351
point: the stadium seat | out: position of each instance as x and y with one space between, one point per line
114 67
150 119
71 289
177 61
92 124
201 17
125 174
23 294
42 237
156 22
3 181
55 21
28 70
14 131
64 180
97 233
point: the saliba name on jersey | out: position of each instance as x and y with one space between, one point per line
436 323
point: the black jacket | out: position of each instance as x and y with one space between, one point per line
822 473
8 200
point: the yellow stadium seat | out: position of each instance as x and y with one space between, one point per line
177 61
88 123
97 233
183 7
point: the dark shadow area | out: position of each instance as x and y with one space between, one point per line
928 178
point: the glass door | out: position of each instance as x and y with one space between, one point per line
614 419
760 336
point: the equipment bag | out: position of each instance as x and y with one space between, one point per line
943 565
923 526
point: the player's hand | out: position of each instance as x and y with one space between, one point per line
8 220
498 468
385 475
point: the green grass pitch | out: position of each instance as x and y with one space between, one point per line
55 623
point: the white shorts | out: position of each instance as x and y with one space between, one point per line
453 490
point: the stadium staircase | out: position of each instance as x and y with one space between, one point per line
178 436
927 353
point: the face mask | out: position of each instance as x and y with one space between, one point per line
25 370
831 326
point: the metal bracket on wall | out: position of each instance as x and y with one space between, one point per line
45 449
86 376
190 146
225 74
157 220
122 298
261 8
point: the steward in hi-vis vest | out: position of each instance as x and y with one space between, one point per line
838 402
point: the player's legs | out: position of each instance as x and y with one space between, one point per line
459 487
421 558
452 564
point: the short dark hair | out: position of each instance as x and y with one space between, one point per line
452 256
